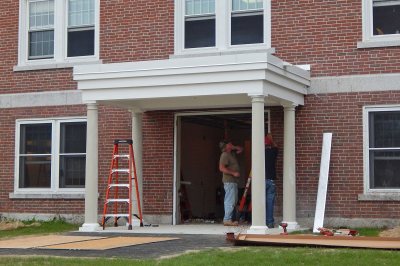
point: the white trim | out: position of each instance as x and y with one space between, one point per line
176 136
222 31
60 59
368 39
55 140
369 193
355 83
39 99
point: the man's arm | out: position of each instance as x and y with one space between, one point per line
228 171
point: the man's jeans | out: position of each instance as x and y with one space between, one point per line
230 200
270 200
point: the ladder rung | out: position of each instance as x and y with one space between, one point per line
119 185
120 171
121 156
118 200
117 215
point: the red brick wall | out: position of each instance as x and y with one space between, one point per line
340 114
137 30
158 168
325 33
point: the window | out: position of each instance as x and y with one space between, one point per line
58 31
381 23
203 26
51 155
382 149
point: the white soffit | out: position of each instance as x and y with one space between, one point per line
163 82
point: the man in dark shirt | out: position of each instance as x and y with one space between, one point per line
271 153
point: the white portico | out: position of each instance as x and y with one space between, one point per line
248 80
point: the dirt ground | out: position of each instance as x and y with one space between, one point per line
394 232
9 225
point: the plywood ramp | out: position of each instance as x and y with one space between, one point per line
108 243
319 240
39 241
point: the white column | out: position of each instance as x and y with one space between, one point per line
258 214
138 151
289 168
91 181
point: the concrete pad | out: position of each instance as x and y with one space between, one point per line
108 243
38 241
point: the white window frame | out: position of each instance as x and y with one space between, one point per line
60 59
55 156
366 111
369 40
223 30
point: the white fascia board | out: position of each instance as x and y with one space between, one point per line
283 94
173 80
205 89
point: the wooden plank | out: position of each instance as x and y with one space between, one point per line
323 182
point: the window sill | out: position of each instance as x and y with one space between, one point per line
198 53
379 197
54 65
47 196
378 43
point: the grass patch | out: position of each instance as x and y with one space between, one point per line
34 227
235 256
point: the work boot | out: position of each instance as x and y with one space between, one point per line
230 223
270 226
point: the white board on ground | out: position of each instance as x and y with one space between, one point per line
323 182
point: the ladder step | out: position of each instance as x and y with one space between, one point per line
120 171
121 156
117 215
118 185
118 200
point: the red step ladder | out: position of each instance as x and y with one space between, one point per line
122 175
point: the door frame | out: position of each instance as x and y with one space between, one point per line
177 144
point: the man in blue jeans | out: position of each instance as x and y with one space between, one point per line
271 153
229 167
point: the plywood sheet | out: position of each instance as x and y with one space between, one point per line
318 240
38 241
108 243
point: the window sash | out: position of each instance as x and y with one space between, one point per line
383 157
199 7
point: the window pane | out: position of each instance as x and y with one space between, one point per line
384 129
385 169
247 29
72 171
35 139
34 171
73 137
81 12
386 17
41 14
41 44
80 42
200 33
246 4
199 7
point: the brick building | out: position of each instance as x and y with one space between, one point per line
179 76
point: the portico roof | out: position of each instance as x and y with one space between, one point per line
195 82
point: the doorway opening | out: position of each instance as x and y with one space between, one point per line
199 182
